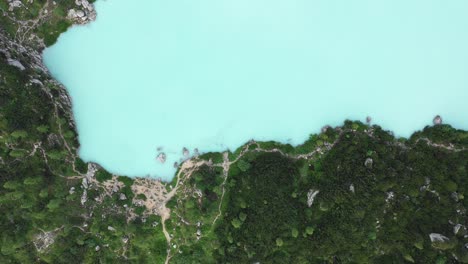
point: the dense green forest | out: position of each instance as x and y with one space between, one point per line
377 199
351 194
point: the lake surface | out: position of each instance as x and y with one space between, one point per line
212 74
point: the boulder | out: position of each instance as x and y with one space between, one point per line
437 120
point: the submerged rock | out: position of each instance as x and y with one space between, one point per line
185 152
162 157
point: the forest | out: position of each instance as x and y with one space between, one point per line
378 200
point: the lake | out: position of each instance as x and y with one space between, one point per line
152 76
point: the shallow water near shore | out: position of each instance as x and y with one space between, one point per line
214 74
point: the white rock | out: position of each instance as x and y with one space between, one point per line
84 183
435 237
80 13
311 196
16 63
71 13
459 229
84 197
36 81
14 4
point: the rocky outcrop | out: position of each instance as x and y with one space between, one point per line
12 4
83 13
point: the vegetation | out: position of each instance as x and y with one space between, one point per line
379 199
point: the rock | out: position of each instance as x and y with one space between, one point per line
162 157
311 196
437 120
176 164
53 140
351 188
325 128
36 81
84 183
80 13
441 242
435 237
390 196
368 163
110 228
122 197
84 197
83 15
368 120
71 14
72 190
459 230
185 152
97 248
16 63
14 4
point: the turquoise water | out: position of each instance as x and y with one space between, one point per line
212 74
